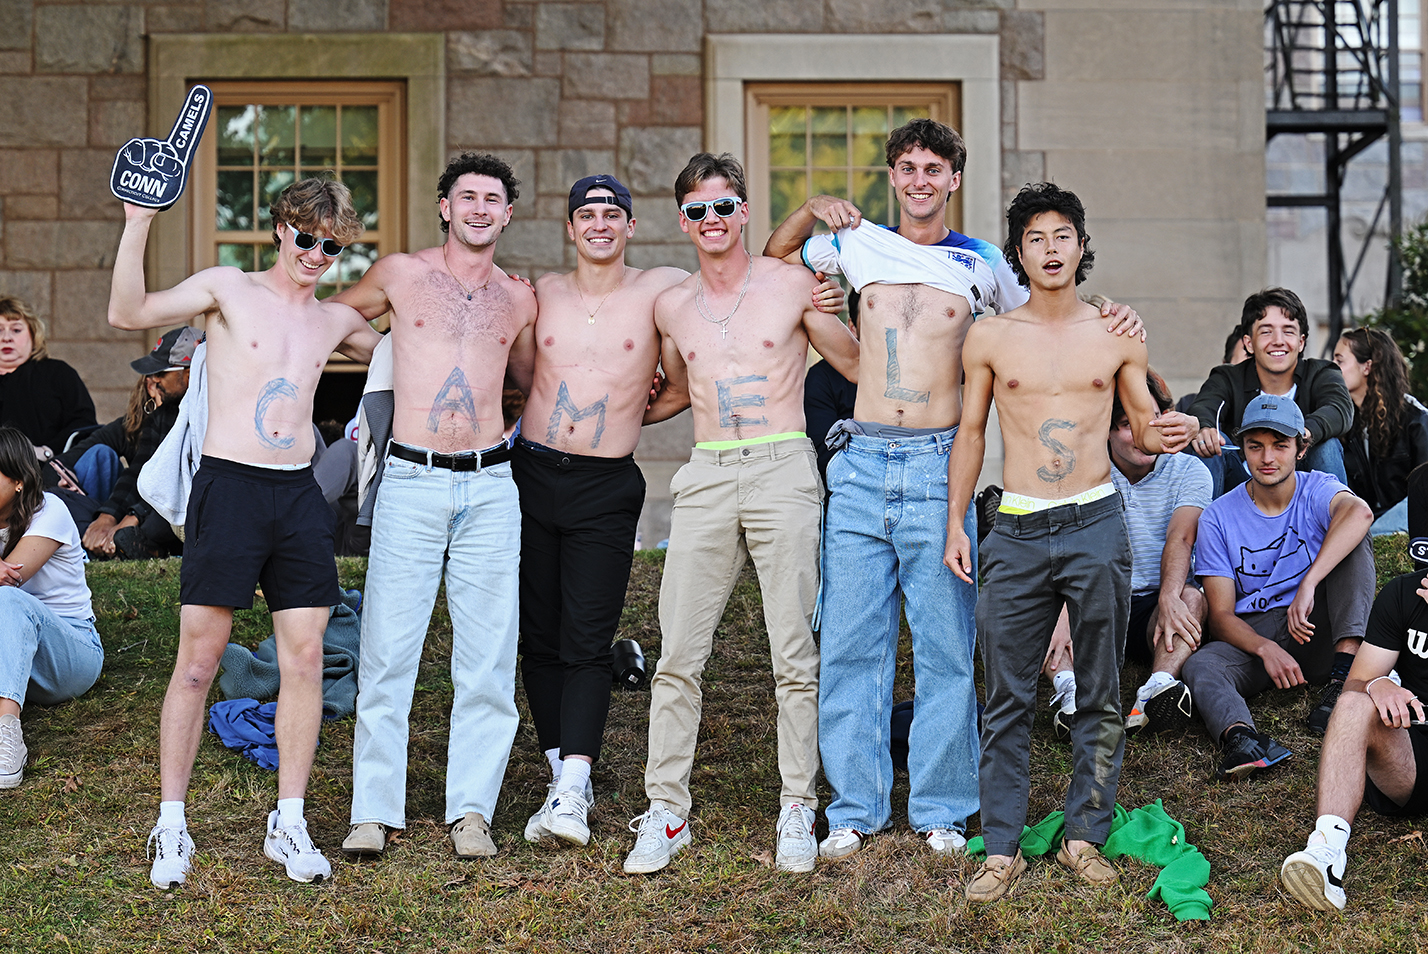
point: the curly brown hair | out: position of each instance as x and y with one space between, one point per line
1381 414
17 461
317 203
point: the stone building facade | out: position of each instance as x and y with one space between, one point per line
1153 113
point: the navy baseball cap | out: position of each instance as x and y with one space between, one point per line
1273 412
579 194
173 352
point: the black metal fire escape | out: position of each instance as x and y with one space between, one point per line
1332 73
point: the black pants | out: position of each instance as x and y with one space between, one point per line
578 521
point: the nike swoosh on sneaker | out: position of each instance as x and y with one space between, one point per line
671 832
1334 880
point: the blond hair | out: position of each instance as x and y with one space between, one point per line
309 204
12 307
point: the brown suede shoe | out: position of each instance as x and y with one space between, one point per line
471 836
1090 866
994 879
367 840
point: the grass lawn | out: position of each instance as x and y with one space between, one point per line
73 874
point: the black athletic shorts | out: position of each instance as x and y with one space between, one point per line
1138 630
251 525
1418 799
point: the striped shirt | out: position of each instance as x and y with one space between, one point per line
1178 480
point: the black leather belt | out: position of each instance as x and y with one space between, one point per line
497 454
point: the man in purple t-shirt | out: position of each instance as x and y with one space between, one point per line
1263 552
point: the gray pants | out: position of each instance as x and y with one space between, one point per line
1222 677
1077 556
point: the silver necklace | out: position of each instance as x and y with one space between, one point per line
469 291
703 306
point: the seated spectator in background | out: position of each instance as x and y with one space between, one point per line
1389 436
1263 552
49 648
41 396
1371 752
1276 327
1235 353
336 470
828 397
121 524
1164 495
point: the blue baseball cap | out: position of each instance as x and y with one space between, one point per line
1273 412
580 194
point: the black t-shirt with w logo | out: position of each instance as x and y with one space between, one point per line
1399 622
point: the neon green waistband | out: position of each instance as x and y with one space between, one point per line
730 445
1022 504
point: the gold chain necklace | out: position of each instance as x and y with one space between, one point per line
469 291
591 314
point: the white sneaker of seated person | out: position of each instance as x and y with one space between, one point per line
660 835
1315 876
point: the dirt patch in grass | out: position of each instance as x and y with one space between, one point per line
73 874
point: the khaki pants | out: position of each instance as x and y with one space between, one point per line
762 501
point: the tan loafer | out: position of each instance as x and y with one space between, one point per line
994 879
367 840
1090 865
471 836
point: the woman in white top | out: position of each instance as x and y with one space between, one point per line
49 648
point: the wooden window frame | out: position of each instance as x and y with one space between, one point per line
944 101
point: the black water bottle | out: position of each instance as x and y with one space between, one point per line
627 663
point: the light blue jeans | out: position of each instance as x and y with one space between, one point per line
883 544
1392 520
431 522
45 658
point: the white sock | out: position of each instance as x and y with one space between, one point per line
553 757
171 815
574 773
1157 679
289 811
1064 681
1333 830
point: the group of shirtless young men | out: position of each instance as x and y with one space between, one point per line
455 500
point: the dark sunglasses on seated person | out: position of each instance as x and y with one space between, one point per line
725 207
304 241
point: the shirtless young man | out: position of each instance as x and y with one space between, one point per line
581 492
256 514
1054 375
887 495
446 506
734 343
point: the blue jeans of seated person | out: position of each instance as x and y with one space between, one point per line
98 470
45 658
466 526
1392 520
884 539
1228 470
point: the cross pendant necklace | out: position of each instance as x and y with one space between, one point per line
703 306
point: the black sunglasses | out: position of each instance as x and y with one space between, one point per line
307 242
725 207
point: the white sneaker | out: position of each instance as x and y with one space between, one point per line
1065 715
1160 706
797 848
660 835
564 814
294 850
12 752
1315 876
536 827
172 851
947 841
840 843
